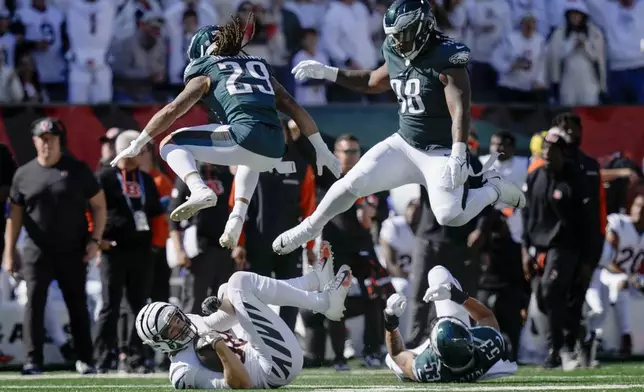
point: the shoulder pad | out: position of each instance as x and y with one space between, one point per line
198 67
614 222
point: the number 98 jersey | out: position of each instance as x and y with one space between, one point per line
241 90
490 348
424 117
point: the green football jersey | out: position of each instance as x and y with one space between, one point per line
490 348
240 90
424 116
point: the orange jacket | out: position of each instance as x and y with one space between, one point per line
307 201
160 227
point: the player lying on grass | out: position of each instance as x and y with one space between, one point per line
267 354
455 351
243 93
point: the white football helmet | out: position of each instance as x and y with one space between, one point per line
164 327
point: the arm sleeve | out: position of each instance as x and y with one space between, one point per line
177 197
307 198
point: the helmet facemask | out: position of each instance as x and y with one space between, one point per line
410 32
178 330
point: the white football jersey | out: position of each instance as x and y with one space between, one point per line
186 372
396 232
90 27
45 26
8 48
630 252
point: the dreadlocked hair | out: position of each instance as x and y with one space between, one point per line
230 39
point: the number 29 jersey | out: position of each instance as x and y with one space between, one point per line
630 250
424 116
241 90
490 348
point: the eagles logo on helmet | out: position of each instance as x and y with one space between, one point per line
452 342
202 42
409 23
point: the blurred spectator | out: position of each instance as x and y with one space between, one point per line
280 202
160 272
577 63
489 22
183 19
46 37
346 38
520 62
196 241
7 170
10 87
34 91
140 61
450 17
535 147
108 148
8 41
133 204
90 25
310 13
129 14
397 239
289 25
310 92
537 8
621 22
179 43
512 168
556 225
49 195
617 186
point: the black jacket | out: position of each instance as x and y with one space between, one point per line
592 249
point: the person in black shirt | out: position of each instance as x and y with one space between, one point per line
50 196
7 170
132 203
108 151
557 221
213 265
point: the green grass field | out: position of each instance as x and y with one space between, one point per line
613 377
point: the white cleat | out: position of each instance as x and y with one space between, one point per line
232 232
337 291
324 267
294 238
198 200
509 193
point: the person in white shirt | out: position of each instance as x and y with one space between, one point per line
346 38
397 239
489 21
44 27
576 58
536 8
519 59
623 26
265 353
513 169
310 91
129 16
90 24
451 18
7 39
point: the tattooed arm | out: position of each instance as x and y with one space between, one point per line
457 95
403 358
369 82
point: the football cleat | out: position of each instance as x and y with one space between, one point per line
338 290
198 200
294 238
324 267
508 193
230 238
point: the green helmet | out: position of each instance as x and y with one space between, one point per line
202 42
452 341
409 23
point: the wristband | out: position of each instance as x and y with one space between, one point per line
317 142
143 139
459 149
330 73
457 295
391 321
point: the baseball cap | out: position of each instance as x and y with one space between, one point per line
124 139
47 125
556 135
111 135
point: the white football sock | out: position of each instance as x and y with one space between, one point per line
245 183
337 200
477 200
183 163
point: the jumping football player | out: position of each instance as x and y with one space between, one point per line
427 71
455 351
242 92
267 355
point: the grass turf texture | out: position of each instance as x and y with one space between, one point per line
612 377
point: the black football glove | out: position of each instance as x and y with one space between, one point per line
391 321
210 305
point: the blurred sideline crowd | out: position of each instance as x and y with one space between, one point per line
100 241
571 52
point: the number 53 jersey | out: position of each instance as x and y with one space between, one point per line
424 117
490 348
241 90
